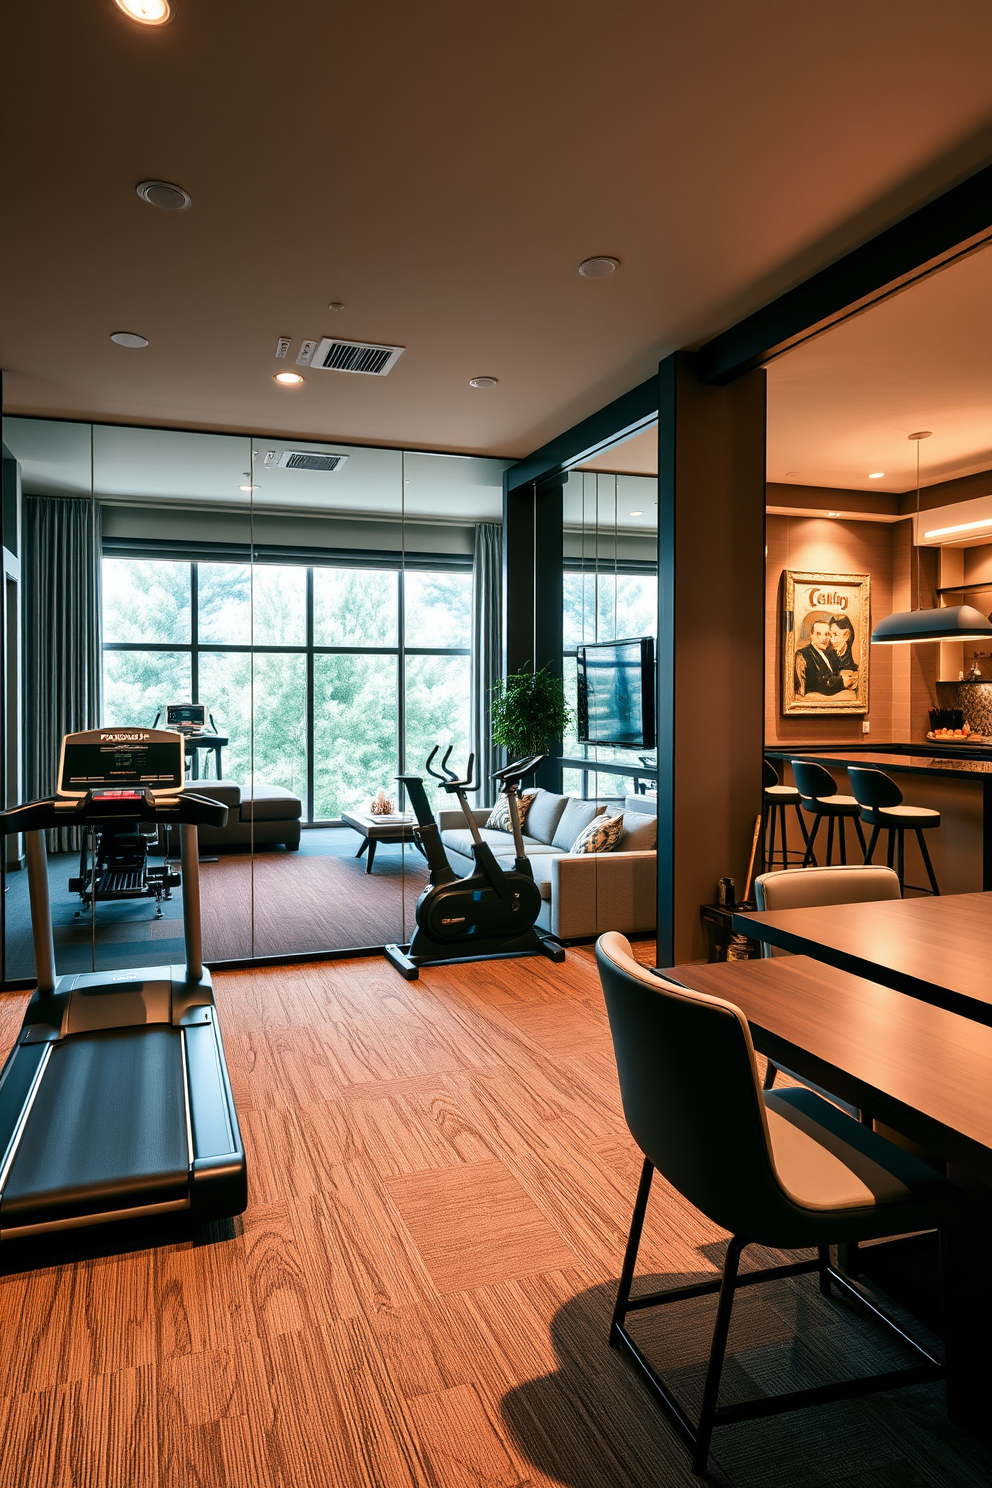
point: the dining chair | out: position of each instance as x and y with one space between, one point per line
808 888
783 1169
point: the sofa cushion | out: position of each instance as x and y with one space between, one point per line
601 835
459 839
270 803
577 814
642 804
540 866
545 813
226 791
640 831
499 817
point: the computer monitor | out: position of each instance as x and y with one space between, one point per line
123 758
188 718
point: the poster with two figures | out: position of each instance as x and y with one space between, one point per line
826 627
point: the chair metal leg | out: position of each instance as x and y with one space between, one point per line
784 835
830 840
771 1070
870 849
842 834
860 831
630 1254
771 839
718 1351
802 824
823 1251
890 851
925 854
901 858
810 856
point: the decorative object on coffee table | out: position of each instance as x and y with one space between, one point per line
382 804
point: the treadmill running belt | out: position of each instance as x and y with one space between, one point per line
107 1129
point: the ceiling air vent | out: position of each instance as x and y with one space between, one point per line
309 460
356 356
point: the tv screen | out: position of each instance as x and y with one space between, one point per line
616 693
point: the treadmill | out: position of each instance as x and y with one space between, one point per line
115 1102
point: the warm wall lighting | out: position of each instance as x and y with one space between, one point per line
833 514
146 12
961 527
876 475
288 379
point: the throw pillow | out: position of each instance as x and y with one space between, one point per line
640 831
499 817
601 835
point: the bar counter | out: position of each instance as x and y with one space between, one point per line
955 780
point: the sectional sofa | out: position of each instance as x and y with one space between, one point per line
584 894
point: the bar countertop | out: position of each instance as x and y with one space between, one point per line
973 760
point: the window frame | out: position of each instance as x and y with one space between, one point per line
172 553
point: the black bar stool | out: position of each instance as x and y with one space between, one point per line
775 798
881 805
818 791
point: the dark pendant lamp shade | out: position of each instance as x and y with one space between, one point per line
953 623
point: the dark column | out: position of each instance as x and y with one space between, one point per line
711 525
532 589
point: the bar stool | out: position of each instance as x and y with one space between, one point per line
881 805
775 798
818 790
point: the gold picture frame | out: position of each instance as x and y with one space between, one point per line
826 629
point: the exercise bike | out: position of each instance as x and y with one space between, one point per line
489 913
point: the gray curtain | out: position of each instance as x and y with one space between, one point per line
63 660
487 646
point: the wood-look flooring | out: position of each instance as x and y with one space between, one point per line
419 1292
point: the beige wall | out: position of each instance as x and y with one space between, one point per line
822 545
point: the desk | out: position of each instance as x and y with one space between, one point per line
917 1068
936 949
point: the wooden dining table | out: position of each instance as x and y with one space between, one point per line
937 948
919 1069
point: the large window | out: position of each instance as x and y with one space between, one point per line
329 680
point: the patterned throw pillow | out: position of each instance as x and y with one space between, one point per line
499 817
601 835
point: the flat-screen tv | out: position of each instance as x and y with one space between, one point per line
616 693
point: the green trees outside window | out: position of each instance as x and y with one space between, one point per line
328 680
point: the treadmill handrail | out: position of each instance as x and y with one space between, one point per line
184 807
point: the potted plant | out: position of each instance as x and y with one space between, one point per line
528 712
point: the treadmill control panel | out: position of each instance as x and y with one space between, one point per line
116 760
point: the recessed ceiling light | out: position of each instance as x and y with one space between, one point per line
249 488
288 379
129 338
147 12
598 268
876 474
165 195
336 305
483 382
833 514
635 514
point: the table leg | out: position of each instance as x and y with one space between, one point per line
371 856
365 843
966 1264
987 832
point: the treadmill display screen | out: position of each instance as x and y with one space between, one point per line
185 715
121 757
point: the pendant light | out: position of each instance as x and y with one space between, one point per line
945 623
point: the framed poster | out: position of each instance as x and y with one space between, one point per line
826 627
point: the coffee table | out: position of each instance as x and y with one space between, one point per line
376 829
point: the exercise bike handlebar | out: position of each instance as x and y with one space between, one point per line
448 778
513 774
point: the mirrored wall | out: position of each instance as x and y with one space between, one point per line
610 594
315 602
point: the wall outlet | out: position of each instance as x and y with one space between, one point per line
866 727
